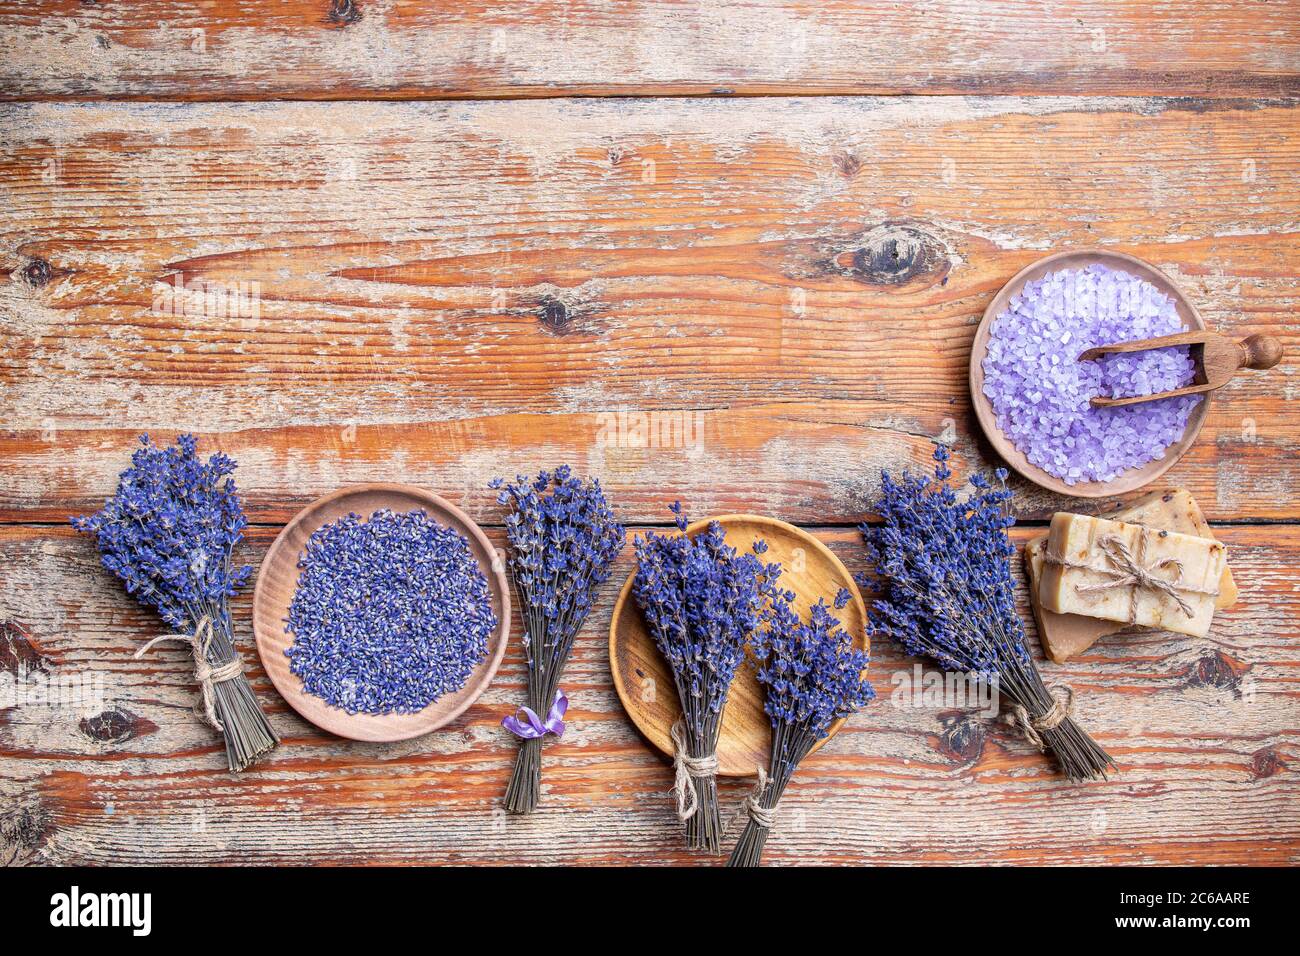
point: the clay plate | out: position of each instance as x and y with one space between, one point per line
645 685
278 579
1134 478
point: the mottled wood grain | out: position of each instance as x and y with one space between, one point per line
746 304
1205 732
447 292
353 49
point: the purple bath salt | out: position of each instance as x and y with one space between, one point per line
1040 392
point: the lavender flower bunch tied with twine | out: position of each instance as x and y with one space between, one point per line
564 540
944 562
701 601
813 675
168 534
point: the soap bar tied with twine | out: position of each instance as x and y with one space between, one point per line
168 534
1129 570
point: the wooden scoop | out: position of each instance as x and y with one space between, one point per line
1217 359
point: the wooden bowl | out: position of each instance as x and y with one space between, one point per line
1129 480
645 684
278 579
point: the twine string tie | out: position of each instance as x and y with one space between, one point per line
205 673
686 767
1129 571
1033 727
762 816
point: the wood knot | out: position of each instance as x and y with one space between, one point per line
896 254
115 726
22 831
1217 670
555 316
37 273
19 655
343 12
892 254
847 164
1264 763
962 738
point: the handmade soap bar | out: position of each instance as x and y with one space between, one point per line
1064 636
1124 572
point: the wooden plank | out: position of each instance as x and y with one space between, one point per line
1205 732
345 49
782 292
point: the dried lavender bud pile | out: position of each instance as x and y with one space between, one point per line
390 614
1040 392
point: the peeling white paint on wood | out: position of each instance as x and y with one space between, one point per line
426 272
294 50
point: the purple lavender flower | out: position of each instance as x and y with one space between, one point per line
701 601
948 593
564 540
168 534
813 675
390 613
169 531
947 560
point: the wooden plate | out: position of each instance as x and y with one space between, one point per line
278 579
1129 480
645 684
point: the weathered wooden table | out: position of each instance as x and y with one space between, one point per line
732 254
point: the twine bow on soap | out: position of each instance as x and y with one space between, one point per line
1129 571
532 726
686 767
207 675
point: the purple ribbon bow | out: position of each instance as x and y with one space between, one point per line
532 726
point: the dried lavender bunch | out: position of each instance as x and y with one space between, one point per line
168 533
813 676
949 595
701 601
564 540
